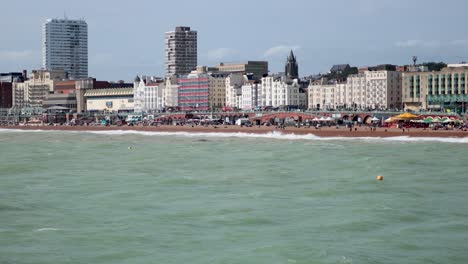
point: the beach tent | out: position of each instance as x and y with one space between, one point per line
406 116
450 120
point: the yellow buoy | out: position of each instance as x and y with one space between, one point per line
380 178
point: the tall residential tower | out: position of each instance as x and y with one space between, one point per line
65 47
181 51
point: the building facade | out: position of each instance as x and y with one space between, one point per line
194 92
441 90
250 95
6 95
366 90
321 95
181 51
65 47
171 92
217 90
234 82
257 68
32 92
282 92
64 95
11 76
148 96
109 100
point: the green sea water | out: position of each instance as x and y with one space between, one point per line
69 197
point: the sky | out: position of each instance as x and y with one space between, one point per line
126 38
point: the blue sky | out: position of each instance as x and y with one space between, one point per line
127 37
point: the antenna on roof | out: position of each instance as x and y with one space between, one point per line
65 14
415 59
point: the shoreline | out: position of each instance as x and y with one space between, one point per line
322 132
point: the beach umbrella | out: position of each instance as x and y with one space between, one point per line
406 116
375 119
436 120
329 118
388 120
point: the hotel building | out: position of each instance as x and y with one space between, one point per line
378 89
441 90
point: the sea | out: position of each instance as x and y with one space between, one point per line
149 197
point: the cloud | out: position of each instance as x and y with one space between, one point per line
220 53
280 50
12 55
459 42
417 43
432 44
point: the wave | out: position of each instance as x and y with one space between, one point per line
47 229
269 135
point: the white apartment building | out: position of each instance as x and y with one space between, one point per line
65 47
279 92
148 96
367 90
234 84
249 97
181 51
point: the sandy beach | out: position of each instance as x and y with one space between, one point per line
322 132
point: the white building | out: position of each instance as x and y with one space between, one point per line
234 84
250 96
148 95
367 90
65 47
109 100
280 92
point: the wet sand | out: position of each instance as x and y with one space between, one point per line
322 132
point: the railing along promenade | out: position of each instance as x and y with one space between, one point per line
28 112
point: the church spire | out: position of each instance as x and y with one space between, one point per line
291 69
291 56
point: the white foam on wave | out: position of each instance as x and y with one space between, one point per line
47 229
270 135
279 135
8 130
